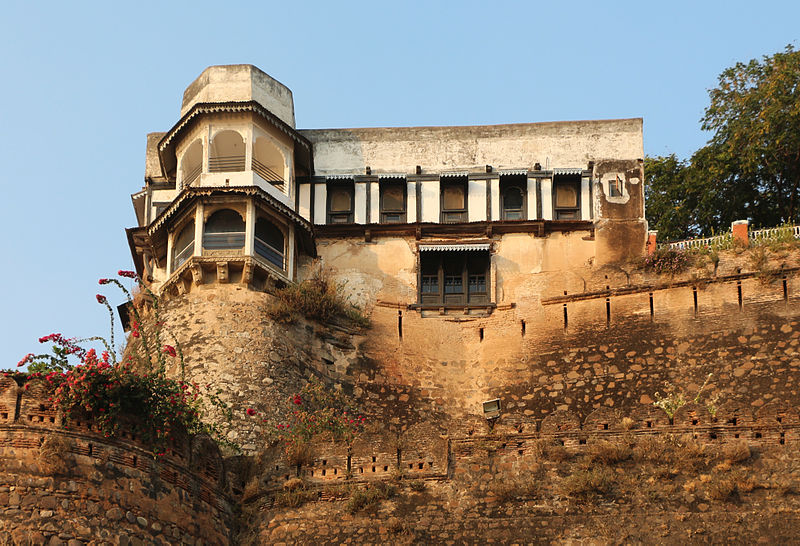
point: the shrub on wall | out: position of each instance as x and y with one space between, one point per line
317 298
135 393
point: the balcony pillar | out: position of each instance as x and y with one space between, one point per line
198 229
250 229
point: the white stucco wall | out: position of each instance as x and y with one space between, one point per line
360 203
305 201
411 209
436 149
476 200
586 202
375 203
495 189
547 198
320 204
430 200
531 199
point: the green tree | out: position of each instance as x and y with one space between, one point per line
753 156
670 201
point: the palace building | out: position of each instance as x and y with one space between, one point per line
443 218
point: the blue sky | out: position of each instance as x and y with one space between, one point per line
83 82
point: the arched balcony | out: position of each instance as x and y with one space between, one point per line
224 230
269 242
191 163
183 246
227 153
268 163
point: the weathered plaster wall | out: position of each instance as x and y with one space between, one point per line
240 82
436 149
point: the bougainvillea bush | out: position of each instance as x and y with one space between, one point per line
135 393
316 409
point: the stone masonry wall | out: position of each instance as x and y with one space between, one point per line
88 489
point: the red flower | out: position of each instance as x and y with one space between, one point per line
170 350
125 273
100 298
103 281
250 411
135 333
297 400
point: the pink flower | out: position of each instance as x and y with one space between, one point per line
126 273
170 350
250 411
100 298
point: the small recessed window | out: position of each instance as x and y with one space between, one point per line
615 187
454 199
393 202
340 202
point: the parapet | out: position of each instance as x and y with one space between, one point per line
240 83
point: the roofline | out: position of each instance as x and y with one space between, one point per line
489 126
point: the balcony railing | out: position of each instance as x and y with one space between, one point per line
192 175
183 255
270 253
268 174
228 239
226 164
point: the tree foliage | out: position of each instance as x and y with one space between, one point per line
750 168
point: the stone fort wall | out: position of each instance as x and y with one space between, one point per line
74 486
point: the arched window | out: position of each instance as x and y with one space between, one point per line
191 163
269 242
512 197
183 246
268 163
224 230
227 153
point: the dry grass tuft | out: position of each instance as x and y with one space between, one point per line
52 456
735 452
608 452
587 483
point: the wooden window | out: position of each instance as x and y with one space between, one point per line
513 197
454 278
393 202
340 202
566 197
453 199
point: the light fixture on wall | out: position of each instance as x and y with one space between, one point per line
419 169
537 167
491 409
488 168
369 171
